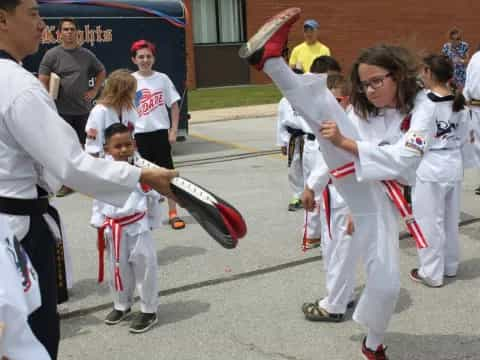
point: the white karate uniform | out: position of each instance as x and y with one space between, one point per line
38 146
375 218
436 195
339 249
99 119
302 163
287 117
19 297
471 149
312 223
138 257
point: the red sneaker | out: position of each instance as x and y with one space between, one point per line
270 40
368 354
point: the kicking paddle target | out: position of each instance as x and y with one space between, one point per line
219 219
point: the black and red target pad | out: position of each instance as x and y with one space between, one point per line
219 219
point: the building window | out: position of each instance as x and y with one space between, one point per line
218 21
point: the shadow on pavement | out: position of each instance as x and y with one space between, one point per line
79 326
468 270
180 310
172 254
404 301
85 287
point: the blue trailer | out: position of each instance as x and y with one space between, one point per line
108 28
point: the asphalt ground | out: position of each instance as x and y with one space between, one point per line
245 303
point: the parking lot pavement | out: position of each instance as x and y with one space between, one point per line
245 303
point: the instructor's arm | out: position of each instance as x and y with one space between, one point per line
55 146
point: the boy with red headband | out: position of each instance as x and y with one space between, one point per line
154 133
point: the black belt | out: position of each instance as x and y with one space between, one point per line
474 102
15 206
297 132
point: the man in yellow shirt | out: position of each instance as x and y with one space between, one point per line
304 54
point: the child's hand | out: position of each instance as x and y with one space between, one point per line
308 199
350 225
329 130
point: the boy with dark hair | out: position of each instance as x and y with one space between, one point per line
126 233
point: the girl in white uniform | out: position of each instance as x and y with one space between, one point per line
116 105
384 92
436 197
132 260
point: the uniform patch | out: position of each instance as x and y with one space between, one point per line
415 142
92 134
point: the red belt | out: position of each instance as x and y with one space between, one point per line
116 225
395 194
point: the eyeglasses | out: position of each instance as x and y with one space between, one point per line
375 83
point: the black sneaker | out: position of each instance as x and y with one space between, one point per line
143 322
115 316
477 190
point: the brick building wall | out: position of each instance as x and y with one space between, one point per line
349 25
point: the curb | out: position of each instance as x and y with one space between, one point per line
235 113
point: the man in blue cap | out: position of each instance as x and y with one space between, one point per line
304 54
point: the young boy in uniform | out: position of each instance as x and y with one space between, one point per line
337 231
132 259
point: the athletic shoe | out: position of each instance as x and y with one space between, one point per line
143 322
270 40
378 354
115 316
312 243
64 191
477 190
415 276
295 204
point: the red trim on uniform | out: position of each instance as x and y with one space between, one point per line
343 171
395 194
304 240
116 225
328 209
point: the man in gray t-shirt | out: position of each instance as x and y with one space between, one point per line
74 65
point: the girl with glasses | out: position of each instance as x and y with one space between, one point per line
382 146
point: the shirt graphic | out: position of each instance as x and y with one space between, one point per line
147 101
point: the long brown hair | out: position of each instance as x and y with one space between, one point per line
442 70
119 90
402 66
